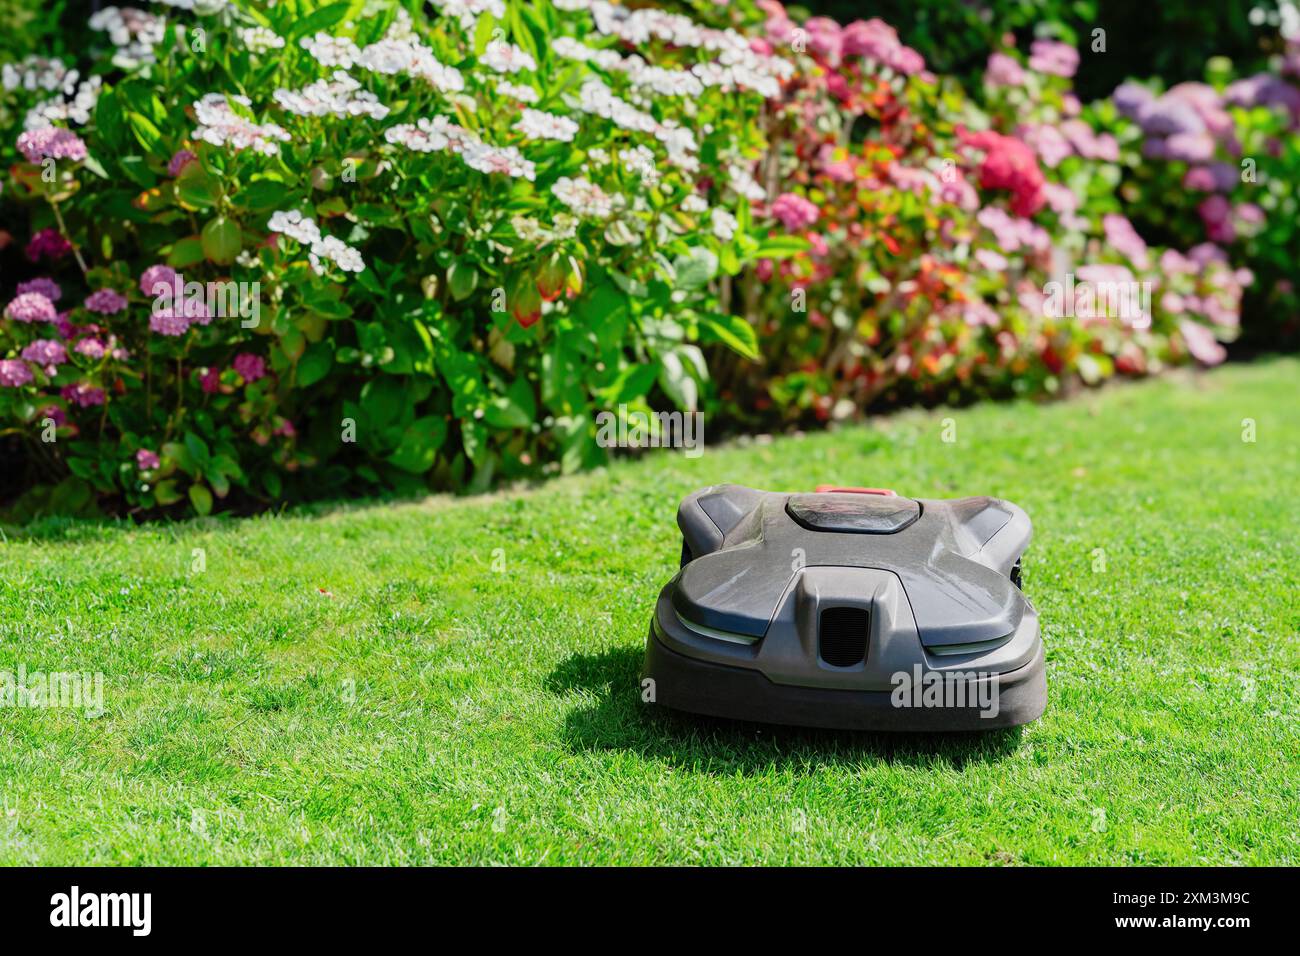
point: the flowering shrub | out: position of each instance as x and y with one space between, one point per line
955 250
278 245
1230 146
271 253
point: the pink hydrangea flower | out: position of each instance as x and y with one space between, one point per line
83 394
51 143
48 243
180 159
794 212
46 353
157 275
14 373
31 307
210 381
92 348
878 41
1201 343
1003 70
1008 164
250 367
1125 240
45 286
146 460
1049 56
106 302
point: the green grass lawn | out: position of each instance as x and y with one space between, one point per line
467 689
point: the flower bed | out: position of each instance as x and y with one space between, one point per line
279 253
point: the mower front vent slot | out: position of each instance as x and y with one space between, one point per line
842 635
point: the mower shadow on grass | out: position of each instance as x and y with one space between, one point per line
618 720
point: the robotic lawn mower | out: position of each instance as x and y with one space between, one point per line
849 608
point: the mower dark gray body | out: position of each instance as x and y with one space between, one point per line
806 609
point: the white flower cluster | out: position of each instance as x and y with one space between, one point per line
529 229
724 224
597 99
342 96
220 125
737 66
406 55
323 248
584 197
467 11
38 73
743 183
506 58
331 51
134 32
260 39
536 124
641 161
58 109
196 6
439 134
517 91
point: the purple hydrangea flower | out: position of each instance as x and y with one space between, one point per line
156 275
167 322
146 460
106 302
31 307
14 373
45 286
51 143
46 353
83 394
48 243
250 367
179 161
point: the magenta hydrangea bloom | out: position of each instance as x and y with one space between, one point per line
45 286
51 143
83 394
250 367
794 211
167 322
146 460
14 373
106 302
31 307
46 352
157 275
55 414
180 159
48 243
210 380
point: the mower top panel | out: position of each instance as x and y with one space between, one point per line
745 549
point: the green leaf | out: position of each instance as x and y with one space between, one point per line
198 450
462 279
222 240
419 446
146 133
197 189
695 269
781 247
315 363
166 492
201 499
185 252
383 399
322 19
734 331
